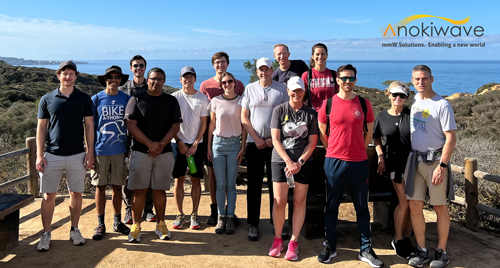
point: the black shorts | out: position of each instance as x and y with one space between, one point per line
303 176
181 161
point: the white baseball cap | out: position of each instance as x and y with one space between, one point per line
398 89
295 82
264 61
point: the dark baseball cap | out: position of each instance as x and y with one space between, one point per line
68 63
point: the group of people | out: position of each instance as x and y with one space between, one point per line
276 123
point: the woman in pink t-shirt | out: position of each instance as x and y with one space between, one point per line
323 84
227 150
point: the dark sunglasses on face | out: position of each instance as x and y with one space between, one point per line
401 95
228 82
138 66
345 78
117 77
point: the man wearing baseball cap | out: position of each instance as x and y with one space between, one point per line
60 116
257 102
189 142
110 148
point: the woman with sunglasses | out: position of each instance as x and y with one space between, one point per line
227 151
392 142
323 84
294 132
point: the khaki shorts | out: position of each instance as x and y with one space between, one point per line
75 173
146 171
423 181
109 169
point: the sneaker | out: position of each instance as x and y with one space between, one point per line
230 224
121 228
212 219
76 237
327 253
44 243
150 217
408 246
195 221
401 249
179 221
135 233
162 231
99 232
128 216
253 233
276 248
440 259
420 258
221 225
292 254
371 258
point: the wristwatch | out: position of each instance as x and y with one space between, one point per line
301 161
443 165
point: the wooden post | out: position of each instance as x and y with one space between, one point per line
471 194
31 166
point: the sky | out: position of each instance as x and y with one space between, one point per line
163 30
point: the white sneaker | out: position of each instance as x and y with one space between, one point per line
76 237
44 243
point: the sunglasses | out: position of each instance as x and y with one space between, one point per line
138 66
401 95
117 77
346 78
228 82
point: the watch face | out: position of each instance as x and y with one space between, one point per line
302 161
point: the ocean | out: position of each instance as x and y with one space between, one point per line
449 76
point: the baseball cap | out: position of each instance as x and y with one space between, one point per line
264 61
398 89
295 82
188 70
68 63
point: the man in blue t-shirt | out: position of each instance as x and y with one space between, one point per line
110 147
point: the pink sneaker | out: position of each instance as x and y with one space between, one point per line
292 253
277 247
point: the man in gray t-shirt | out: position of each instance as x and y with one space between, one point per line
257 102
432 126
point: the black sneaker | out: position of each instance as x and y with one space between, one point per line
99 232
212 219
327 253
401 248
253 233
410 249
371 258
440 259
128 216
420 258
121 228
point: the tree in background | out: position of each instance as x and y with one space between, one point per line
250 67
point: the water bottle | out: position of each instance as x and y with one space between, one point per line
290 181
191 165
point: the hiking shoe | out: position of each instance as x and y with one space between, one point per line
99 232
128 216
371 258
401 249
327 253
150 217
121 228
179 221
221 225
212 219
420 258
162 231
292 254
135 233
76 237
195 221
440 259
253 233
276 248
44 243
230 224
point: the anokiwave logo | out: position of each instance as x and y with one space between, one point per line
400 29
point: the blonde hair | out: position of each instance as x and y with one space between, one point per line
397 84
281 45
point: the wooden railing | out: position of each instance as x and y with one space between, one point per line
32 176
472 206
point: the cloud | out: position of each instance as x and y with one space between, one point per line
211 31
343 20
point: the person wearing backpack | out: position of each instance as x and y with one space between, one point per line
346 130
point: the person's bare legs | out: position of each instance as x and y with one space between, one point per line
402 221
195 193
178 194
116 198
299 209
443 225
47 210
100 199
160 202
280 197
138 201
75 207
418 221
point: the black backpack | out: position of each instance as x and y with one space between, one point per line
362 101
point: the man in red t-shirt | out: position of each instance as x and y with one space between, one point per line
346 162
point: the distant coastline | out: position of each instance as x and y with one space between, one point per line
22 61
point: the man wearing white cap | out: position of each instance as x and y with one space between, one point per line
257 102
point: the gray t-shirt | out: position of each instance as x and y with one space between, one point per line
261 102
429 119
295 129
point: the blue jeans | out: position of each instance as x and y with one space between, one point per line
355 175
224 153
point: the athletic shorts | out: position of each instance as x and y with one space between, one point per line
181 161
146 171
303 176
109 169
423 181
52 175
